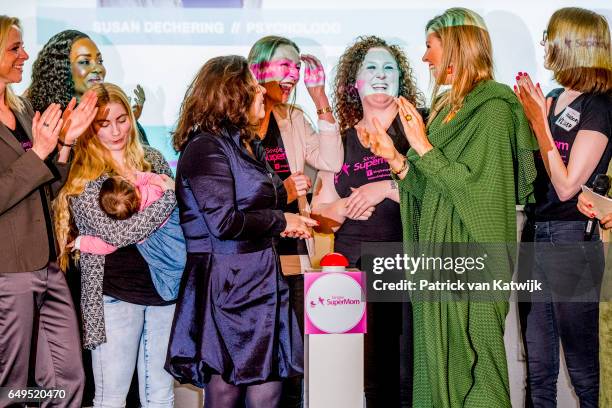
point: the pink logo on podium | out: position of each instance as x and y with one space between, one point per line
334 303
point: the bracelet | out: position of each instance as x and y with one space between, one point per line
61 142
324 110
402 169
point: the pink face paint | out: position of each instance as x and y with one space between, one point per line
359 84
314 76
281 70
378 74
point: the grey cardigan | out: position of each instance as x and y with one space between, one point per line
91 220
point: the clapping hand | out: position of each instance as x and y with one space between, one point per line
535 104
76 121
379 141
414 127
45 130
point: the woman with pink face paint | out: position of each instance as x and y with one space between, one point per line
359 203
290 141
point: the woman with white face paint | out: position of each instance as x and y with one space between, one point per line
291 142
359 203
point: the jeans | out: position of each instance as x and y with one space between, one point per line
576 324
136 335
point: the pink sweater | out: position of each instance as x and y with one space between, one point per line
149 193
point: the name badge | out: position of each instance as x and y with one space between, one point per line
568 119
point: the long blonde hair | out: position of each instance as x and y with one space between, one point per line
91 160
6 23
578 50
466 49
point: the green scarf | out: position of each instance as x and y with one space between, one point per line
481 166
465 190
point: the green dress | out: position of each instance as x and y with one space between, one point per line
605 326
465 190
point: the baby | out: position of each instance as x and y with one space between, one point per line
164 250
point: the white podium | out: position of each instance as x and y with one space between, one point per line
334 321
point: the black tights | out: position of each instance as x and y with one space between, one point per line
219 394
387 376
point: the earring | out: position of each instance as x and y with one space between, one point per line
449 70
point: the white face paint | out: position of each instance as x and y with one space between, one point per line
379 74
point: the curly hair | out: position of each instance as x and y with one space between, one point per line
221 94
347 105
51 73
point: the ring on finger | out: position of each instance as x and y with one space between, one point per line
45 124
408 117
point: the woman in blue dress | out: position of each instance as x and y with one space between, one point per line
234 332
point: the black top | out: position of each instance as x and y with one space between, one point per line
587 112
275 150
21 136
276 157
362 167
26 144
127 278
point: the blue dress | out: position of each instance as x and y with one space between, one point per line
233 316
